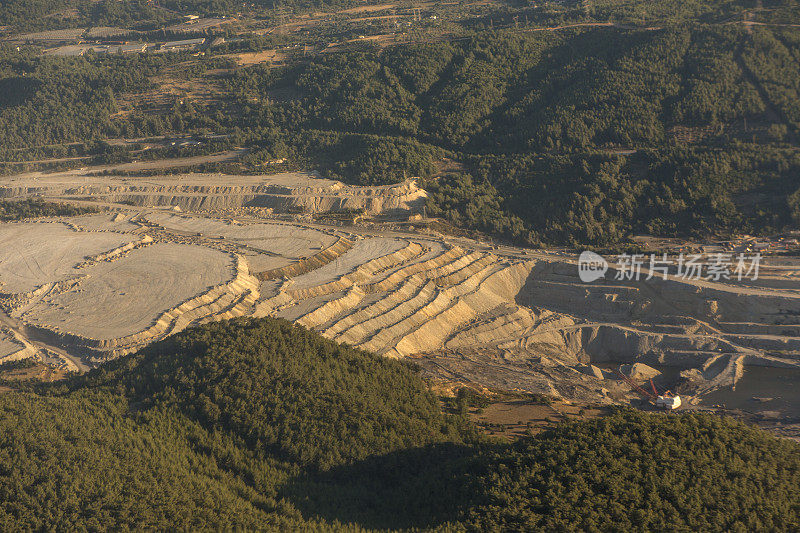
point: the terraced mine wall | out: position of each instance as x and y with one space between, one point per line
308 264
228 300
519 321
402 197
710 332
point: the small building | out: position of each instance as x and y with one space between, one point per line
133 48
668 402
176 46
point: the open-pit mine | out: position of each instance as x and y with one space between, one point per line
171 251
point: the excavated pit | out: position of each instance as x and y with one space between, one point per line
99 286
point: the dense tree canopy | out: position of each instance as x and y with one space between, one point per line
261 424
583 135
577 136
637 472
275 385
34 208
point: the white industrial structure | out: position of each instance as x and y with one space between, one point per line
668 402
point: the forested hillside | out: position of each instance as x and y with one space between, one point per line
38 14
581 136
686 123
259 424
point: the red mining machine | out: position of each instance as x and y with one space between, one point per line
664 401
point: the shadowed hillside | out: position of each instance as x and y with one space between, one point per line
259 424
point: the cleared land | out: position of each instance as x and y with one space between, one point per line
297 192
363 251
518 417
290 241
31 253
101 285
122 297
9 347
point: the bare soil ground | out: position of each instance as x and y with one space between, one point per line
245 59
119 298
31 253
362 9
467 311
516 418
38 372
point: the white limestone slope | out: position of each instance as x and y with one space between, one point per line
104 285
